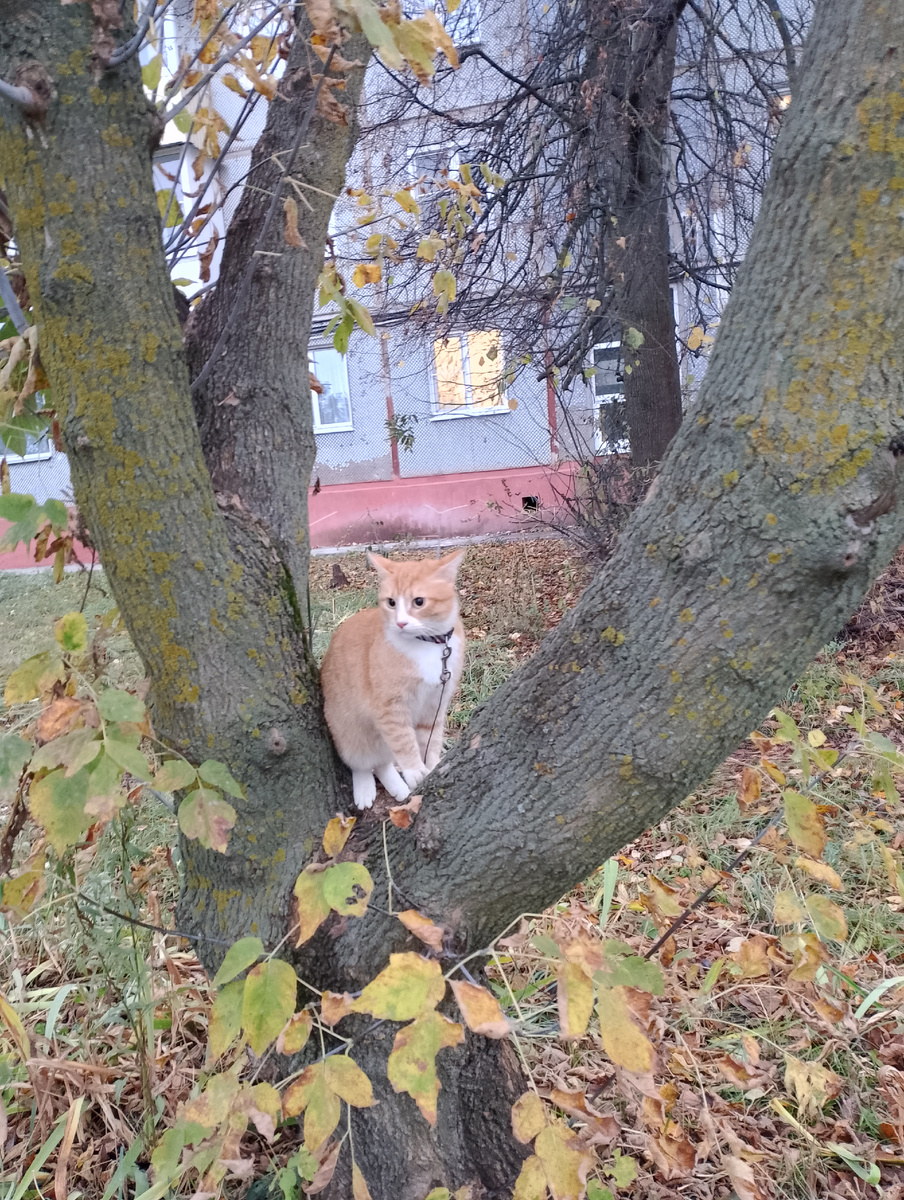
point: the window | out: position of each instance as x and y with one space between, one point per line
610 430
332 406
467 373
428 169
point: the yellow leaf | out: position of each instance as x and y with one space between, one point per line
808 953
365 273
348 1081
337 834
695 338
528 1117
827 918
565 1160
13 1023
334 1006
403 990
625 1043
575 997
816 738
344 888
296 1033
787 909
812 1086
480 1009
749 791
805 825
531 1182
752 958
423 928
411 1066
821 871
407 201
233 84
892 869
772 770
321 1113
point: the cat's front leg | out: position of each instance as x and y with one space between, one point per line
395 726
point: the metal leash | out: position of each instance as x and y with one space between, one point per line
445 676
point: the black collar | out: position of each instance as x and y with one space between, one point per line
438 639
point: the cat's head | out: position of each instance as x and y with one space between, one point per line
418 598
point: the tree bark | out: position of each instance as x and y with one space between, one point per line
775 510
208 590
631 64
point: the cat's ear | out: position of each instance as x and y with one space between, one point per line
447 567
380 565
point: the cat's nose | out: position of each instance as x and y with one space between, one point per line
401 624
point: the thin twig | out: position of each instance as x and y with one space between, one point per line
22 96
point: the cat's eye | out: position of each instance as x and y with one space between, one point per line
419 601
390 602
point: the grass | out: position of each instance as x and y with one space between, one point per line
96 992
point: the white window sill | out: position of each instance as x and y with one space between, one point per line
347 427
471 412
14 459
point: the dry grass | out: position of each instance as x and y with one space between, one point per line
117 1014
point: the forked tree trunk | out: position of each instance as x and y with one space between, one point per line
774 512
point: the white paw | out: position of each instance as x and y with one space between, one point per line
364 787
401 791
413 778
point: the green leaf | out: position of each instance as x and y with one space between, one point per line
167 1154
57 803
71 631
624 968
373 28
633 338
216 774
225 1018
239 957
57 514
546 945
362 317
174 775
16 506
14 754
623 1170
411 1066
121 744
116 705
32 677
268 1002
342 887
596 1191
404 989
183 121
828 919
207 817
150 72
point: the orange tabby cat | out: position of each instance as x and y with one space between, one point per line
381 676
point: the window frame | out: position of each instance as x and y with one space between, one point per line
442 413
600 445
336 427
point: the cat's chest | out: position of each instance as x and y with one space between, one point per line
427 659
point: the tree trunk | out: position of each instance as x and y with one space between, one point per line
774 512
631 64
